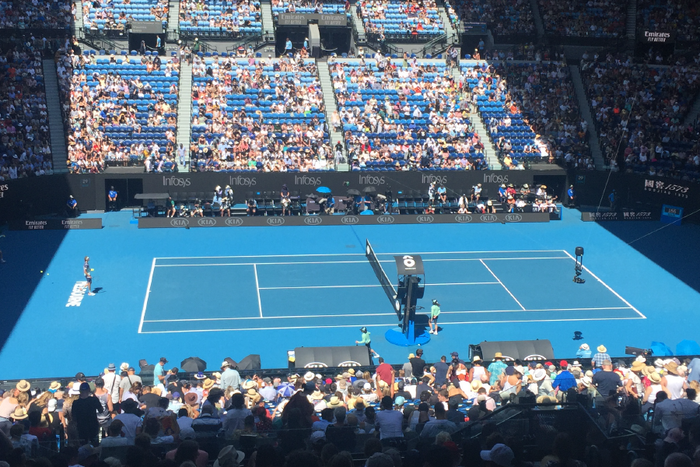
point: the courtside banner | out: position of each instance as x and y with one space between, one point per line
620 216
57 224
277 221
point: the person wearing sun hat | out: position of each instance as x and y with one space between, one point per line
229 377
496 368
23 386
229 457
672 382
600 357
652 390
633 383
584 351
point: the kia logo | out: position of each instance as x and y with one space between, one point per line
425 219
234 221
488 218
463 218
206 222
513 217
349 219
385 219
179 222
313 221
275 221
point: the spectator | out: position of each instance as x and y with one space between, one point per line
390 424
235 415
496 368
606 381
499 455
602 18
600 357
440 424
84 414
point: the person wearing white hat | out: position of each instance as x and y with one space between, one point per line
229 377
229 457
584 351
499 455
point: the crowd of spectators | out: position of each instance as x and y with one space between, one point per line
106 15
258 114
680 18
405 19
25 14
220 17
403 115
545 92
504 17
307 6
412 414
121 110
640 111
25 149
595 18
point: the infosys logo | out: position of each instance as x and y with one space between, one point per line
313 220
488 218
439 180
425 219
513 218
385 219
206 222
350 219
242 181
234 221
371 180
179 222
306 180
495 178
181 182
463 218
275 221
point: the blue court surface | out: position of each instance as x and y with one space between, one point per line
224 292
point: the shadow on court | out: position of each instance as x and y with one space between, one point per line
26 254
674 248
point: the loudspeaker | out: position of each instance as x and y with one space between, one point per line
251 362
518 350
321 357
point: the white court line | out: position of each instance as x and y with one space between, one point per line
361 254
607 287
348 262
238 318
257 288
499 281
365 286
389 325
148 292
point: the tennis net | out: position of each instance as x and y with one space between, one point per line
379 272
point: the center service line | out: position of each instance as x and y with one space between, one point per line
499 281
257 288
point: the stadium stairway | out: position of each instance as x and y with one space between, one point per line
593 141
184 112
694 112
59 153
268 24
539 25
173 18
359 25
631 20
478 124
449 30
78 15
324 77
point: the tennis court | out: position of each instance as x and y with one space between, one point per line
335 291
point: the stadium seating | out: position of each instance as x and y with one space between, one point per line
220 18
405 20
123 111
24 14
409 135
297 6
25 144
599 18
681 17
103 15
253 125
647 133
502 16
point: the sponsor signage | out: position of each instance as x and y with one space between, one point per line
3 189
77 294
56 224
657 37
619 216
262 221
475 29
661 187
302 19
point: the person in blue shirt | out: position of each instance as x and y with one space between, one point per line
584 351
612 197
112 199
564 381
158 42
571 194
288 46
502 193
306 43
442 194
72 207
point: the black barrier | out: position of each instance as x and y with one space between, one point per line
57 224
621 216
263 221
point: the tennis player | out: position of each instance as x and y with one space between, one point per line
88 276
434 314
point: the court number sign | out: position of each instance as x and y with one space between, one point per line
409 265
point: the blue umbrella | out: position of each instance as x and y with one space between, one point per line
285 390
659 349
687 347
323 189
